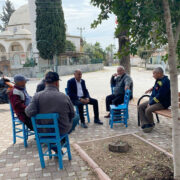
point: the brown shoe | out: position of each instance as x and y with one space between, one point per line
108 116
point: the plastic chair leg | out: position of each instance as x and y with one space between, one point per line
60 156
14 134
87 114
24 135
41 157
68 148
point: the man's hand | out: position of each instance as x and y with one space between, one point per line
115 74
84 101
149 91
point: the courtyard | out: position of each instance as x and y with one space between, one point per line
17 162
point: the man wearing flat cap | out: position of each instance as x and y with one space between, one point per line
19 99
50 100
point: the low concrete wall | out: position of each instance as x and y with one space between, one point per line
29 72
34 72
67 70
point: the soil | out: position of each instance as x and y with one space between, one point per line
141 162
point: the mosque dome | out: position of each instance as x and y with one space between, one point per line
20 16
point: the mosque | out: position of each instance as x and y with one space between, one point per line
18 41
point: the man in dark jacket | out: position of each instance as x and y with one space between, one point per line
121 82
52 101
19 99
79 95
160 99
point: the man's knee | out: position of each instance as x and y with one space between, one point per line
148 111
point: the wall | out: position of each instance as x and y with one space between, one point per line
33 72
67 70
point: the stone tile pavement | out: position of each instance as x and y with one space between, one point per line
17 162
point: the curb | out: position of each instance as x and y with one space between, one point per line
154 145
101 174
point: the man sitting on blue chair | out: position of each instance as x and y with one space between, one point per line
121 82
52 101
20 99
79 95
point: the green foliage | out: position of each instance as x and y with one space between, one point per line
94 51
8 9
50 24
141 22
70 46
30 63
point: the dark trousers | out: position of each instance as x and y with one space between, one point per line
80 105
112 99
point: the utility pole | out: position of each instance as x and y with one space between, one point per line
81 29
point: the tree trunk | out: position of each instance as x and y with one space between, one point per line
174 90
125 60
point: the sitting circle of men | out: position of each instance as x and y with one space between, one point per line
48 99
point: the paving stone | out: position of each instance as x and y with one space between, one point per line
23 163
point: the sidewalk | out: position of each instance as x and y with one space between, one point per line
16 162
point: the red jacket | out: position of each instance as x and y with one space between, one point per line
17 100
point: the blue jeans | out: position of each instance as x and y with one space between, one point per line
75 122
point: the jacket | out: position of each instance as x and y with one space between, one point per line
120 83
41 86
52 101
161 92
17 99
72 89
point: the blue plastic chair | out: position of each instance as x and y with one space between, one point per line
20 130
52 139
119 114
85 109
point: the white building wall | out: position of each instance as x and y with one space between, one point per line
76 41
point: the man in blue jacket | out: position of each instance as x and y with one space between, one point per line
160 99
79 95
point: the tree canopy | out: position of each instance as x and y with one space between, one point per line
50 24
8 9
70 46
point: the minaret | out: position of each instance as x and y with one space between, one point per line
32 11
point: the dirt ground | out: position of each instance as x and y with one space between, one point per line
142 162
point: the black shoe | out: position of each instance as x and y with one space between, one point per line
107 116
83 125
148 126
98 122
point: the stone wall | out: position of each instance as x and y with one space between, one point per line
34 72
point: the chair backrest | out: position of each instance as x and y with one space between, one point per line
12 112
127 96
52 129
66 91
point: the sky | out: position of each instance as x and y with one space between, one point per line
80 13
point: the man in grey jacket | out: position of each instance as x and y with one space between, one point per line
120 81
52 101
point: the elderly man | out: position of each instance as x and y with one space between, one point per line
20 99
52 101
79 96
159 99
121 82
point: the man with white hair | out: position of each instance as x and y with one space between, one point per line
79 95
121 82
160 99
